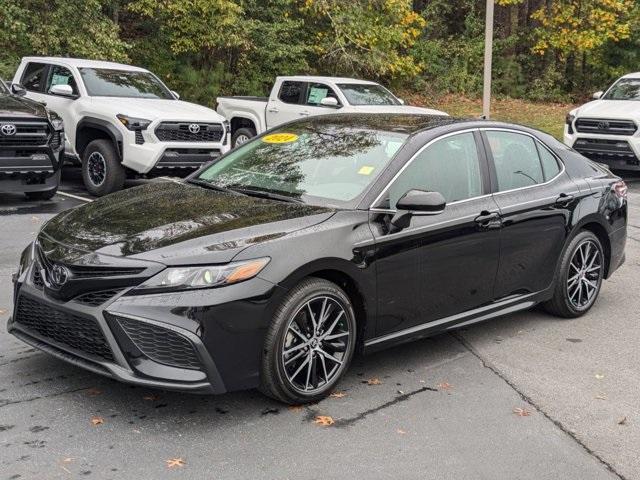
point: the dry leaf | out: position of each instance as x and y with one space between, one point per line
445 386
152 397
622 421
94 392
35 219
175 462
521 412
599 376
338 395
323 420
68 460
400 431
97 421
374 381
295 408
601 397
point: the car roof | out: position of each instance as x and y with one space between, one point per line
84 63
317 78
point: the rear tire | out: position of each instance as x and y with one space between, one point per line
102 171
320 346
578 277
242 135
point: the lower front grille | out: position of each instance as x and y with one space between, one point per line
79 333
603 150
161 344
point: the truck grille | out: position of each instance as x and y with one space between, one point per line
603 126
27 133
189 132
69 330
161 344
602 150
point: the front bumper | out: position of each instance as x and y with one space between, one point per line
616 151
200 341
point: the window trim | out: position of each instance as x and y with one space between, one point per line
535 139
481 159
303 92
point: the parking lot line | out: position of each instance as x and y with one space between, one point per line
77 197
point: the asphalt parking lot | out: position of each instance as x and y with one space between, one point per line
526 396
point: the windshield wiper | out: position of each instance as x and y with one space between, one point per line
213 186
265 194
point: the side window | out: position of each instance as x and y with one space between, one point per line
550 165
449 166
59 75
318 91
516 159
290 92
33 77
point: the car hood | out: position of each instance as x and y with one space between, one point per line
177 223
154 108
14 106
618 109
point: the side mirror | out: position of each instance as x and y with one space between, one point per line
597 95
417 202
329 102
175 94
401 101
18 89
62 90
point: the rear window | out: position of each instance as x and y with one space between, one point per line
290 92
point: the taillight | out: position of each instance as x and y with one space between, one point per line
620 189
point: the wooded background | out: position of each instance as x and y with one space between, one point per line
545 50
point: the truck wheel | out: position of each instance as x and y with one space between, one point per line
102 171
44 195
242 135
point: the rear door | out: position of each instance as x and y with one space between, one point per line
287 105
536 199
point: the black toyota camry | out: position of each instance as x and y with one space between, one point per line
273 265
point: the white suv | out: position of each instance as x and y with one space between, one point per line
606 129
122 120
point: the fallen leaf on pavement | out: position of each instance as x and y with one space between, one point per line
601 397
622 421
445 386
323 420
374 381
35 219
338 395
151 397
400 431
175 462
94 392
97 421
295 408
521 412
599 376
68 460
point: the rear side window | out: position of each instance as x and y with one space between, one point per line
550 165
516 160
291 92
318 91
33 77
59 75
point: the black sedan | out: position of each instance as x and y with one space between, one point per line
273 265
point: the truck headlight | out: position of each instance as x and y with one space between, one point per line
133 123
188 278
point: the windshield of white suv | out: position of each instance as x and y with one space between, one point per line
367 94
103 82
320 162
625 89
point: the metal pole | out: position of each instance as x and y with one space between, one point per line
488 53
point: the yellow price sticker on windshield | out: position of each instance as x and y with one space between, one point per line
280 138
366 170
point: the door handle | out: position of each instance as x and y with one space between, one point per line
489 220
563 200
273 110
304 114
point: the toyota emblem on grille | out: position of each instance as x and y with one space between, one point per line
8 129
603 125
194 128
59 275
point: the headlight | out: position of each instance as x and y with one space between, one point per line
569 119
133 123
55 120
187 278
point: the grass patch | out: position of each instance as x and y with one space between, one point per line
548 117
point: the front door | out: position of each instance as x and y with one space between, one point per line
59 75
445 264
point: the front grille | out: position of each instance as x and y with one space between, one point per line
94 299
27 133
94 272
180 132
602 150
73 331
161 344
605 126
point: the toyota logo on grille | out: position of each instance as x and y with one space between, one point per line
8 129
603 125
59 275
194 128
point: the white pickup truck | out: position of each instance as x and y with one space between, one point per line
296 97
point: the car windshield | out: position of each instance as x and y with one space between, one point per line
104 82
367 94
328 163
625 89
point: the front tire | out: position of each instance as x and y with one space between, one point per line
102 171
578 277
309 344
242 135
